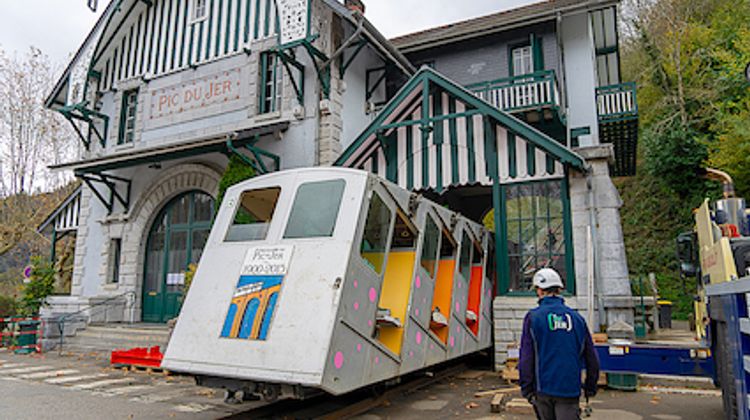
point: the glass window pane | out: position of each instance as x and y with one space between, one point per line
315 209
180 211
536 237
375 237
253 216
465 263
200 237
429 247
203 208
177 260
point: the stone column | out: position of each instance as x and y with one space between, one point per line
595 190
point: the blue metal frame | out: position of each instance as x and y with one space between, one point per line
655 360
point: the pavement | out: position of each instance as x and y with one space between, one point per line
672 399
52 386
75 386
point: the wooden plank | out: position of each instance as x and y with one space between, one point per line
497 391
497 403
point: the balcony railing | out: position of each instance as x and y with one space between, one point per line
616 102
528 91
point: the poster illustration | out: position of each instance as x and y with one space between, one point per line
257 291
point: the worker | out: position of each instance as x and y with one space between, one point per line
555 347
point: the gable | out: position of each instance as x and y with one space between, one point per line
461 140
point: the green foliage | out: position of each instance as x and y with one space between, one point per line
41 285
676 156
237 171
8 306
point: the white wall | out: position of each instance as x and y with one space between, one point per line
580 75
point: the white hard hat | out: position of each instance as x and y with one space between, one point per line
546 278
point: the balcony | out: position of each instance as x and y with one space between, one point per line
616 102
534 91
618 124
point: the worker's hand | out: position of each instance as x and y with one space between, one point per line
531 398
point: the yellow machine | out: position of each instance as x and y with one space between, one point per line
719 248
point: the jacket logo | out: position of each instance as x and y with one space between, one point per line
560 322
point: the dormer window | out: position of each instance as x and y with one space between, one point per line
199 9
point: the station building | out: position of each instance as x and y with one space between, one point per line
518 119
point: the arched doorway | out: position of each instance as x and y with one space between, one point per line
175 240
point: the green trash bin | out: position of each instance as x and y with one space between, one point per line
622 381
26 336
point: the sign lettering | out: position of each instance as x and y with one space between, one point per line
199 93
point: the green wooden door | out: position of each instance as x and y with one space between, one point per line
175 240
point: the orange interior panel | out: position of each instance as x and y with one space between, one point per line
475 296
443 294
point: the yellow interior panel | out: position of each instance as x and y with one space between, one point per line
394 295
375 259
443 294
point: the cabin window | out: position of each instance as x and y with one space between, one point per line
522 61
127 117
199 9
253 216
315 209
465 263
375 236
536 232
270 83
430 246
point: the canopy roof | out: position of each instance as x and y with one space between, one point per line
461 140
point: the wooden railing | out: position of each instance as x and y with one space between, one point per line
534 90
616 102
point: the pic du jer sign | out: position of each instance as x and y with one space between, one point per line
203 92
293 20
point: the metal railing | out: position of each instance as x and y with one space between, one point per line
528 91
103 306
615 102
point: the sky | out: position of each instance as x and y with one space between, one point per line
58 27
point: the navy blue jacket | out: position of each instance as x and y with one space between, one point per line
555 347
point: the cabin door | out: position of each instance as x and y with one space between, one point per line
175 240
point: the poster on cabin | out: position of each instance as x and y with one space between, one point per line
256 293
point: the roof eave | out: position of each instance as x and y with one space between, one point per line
407 46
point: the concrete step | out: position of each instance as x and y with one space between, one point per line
105 338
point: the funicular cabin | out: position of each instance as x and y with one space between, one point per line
331 279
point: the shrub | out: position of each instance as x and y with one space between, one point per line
40 285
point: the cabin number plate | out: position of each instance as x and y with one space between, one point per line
256 293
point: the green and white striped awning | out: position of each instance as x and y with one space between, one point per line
461 141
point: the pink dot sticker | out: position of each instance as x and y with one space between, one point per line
359 347
356 306
411 353
416 312
459 284
419 337
377 360
369 323
432 346
452 341
373 294
356 284
418 282
458 307
338 360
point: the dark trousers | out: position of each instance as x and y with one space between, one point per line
554 408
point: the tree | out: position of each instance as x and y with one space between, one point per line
31 136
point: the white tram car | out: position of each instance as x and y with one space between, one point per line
331 279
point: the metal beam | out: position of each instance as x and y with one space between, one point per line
111 182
